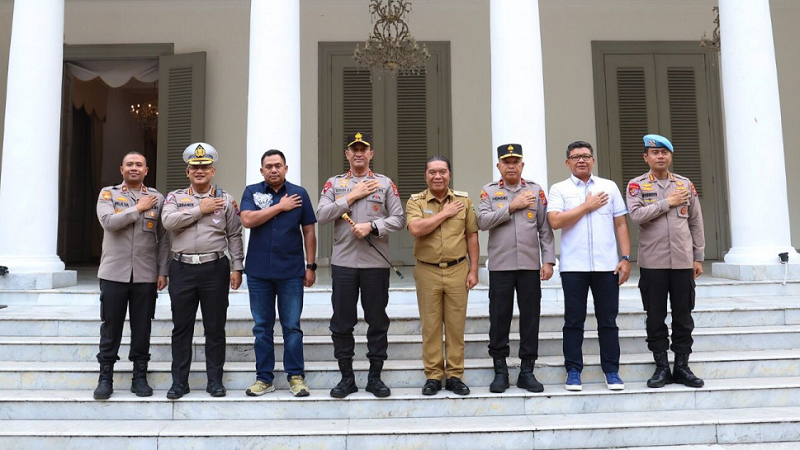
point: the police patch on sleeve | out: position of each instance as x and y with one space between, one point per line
484 195
327 187
394 190
694 191
542 197
106 195
634 189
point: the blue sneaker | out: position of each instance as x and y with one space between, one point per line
573 382
614 382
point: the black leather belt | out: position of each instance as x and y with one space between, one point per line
444 265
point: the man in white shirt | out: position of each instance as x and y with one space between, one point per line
589 210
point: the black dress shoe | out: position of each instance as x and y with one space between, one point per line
216 389
431 387
457 386
177 391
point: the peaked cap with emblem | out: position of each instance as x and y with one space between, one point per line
657 141
506 150
200 153
358 136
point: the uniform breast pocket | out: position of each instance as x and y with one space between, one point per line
375 206
217 218
149 225
605 209
530 214
498 204
683 211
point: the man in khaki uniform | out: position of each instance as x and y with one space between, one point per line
671 251
133 266
204 222
373 204
521 255
444 224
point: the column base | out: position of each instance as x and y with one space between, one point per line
757 272
38 280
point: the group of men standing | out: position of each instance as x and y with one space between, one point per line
186 236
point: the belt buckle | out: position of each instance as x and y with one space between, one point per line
443 265
195 259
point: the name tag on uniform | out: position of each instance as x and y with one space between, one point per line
428 211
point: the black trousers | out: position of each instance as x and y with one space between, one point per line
374 287
654 285
114 300
502 284
605 291
208 285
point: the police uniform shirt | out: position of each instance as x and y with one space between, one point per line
447 242
382 207
275 249
521 240
195 232
669 237
135 245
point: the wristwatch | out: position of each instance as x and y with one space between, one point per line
625 257
312 266
374 227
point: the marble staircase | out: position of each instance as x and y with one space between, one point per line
747 347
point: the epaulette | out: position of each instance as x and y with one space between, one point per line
416 196
460 193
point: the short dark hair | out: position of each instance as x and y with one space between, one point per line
273 152
579 144
438 158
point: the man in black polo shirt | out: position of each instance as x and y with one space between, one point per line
276 211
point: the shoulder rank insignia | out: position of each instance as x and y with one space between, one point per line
416 196
634 189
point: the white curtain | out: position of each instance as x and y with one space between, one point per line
115 73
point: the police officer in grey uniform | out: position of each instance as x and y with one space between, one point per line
204 222
521 255
671 251
133 266
373 204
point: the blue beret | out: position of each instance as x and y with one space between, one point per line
657 141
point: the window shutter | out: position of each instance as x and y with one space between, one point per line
412 133
357 106
684 124
181 114
633 124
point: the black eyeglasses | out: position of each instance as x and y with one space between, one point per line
577 158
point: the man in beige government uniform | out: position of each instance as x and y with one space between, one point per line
133 266
671 252
444 224
521 255
373 204
204 222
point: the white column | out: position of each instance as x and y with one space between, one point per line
29 186
756 167
273 94
517 83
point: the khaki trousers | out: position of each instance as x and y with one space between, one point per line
442 298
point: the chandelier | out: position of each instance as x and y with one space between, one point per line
391 49
714 42
145 116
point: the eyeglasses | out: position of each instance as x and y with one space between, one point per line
576 158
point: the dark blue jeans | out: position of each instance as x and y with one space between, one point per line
605 291
290 305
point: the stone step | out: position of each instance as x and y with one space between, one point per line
88 294
404 402
85 320
569 431
401 373
320 348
